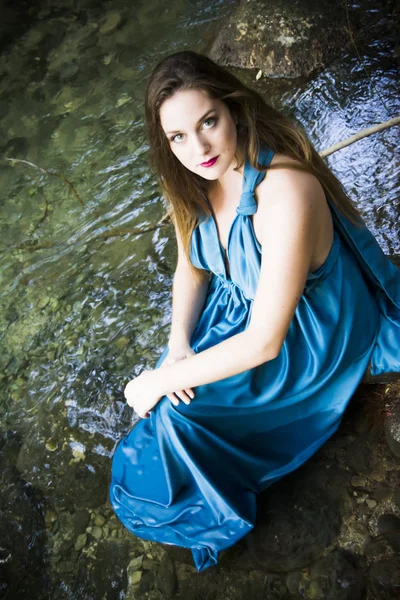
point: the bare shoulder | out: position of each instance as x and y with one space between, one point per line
289 185
289 193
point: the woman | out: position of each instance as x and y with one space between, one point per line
281 300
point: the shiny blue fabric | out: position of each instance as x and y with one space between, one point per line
189 475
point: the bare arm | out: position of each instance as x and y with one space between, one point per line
289 235
188 296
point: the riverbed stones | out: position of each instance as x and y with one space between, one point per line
384 576
298 519
282 38
166 576
334 577
23 570
392 430
389 527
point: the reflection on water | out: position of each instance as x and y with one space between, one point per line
85 306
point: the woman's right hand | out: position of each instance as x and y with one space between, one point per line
175 354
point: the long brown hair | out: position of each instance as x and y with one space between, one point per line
259 124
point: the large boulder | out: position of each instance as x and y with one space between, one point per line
283 38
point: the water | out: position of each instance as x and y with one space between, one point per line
84 299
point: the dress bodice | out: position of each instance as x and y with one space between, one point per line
244 251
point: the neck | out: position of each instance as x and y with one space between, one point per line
228 183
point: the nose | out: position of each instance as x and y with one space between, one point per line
201 145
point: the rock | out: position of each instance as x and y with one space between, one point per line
384 576
80 542
134 578
358 481
392 430
81 521
358 456
146 584
371 503
111 22
166 576
122 342
51 445
68 71
389 528
96 532
136 563
43 302
397 496
281 37
301 516
334 577
383 492
99 520
101 573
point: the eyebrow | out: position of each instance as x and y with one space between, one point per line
199 121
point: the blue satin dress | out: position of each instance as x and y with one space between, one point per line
189 475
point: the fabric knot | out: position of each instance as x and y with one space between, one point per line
248 204
252 177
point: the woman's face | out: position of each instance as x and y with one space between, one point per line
201 132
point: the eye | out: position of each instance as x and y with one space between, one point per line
178 138
209 122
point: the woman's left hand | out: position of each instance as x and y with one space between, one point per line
142 394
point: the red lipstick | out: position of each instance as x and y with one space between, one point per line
210 162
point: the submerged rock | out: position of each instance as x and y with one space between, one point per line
385 579
389 528
282 38
392 430
299 518
111 22
334 577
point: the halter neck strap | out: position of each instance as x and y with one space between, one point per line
252 177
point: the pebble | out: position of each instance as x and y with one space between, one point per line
122 342
113 523
96 532
134 578
111 22
81 521
136 563
99 520
43 302
51 445
358 481
371 503
80 542
383 492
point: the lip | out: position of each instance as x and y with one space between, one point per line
210 162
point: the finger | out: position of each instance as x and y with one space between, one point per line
173 399
190 393
183 396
